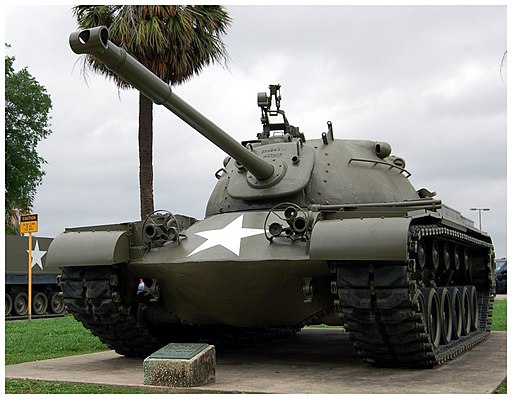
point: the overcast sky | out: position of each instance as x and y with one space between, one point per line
426 79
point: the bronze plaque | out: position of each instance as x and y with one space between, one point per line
179 351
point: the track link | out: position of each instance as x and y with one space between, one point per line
381 307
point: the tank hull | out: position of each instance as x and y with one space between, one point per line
46 297
369 273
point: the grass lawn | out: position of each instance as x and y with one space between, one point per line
45 339
499 316
502 388
27 341
14 386
499 323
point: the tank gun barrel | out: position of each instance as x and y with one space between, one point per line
95 42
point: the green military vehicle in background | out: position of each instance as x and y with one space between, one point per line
296 232
46 295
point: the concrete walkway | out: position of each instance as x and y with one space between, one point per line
316 361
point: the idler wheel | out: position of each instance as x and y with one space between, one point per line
466 310
445 305
475 315
432 315
457 310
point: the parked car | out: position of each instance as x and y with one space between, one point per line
501 276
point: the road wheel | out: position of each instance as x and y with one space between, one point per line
445 305
432 315
466 310
21 304
57 304
39 303
475 314
8 304
457 317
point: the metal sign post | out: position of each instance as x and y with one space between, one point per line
28 224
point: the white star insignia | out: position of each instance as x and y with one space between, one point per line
229 237
37 256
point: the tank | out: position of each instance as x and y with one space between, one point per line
296 232
46 294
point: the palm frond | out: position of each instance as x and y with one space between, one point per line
175 42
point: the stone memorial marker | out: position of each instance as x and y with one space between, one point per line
181 365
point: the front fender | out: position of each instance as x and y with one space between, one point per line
89 248
361 239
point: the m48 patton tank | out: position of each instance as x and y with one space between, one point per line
296 233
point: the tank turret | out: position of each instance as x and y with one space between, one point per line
277 165
296 232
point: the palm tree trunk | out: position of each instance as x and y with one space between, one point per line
146 156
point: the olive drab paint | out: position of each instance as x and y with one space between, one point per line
47 298
296 232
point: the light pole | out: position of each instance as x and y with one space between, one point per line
479 214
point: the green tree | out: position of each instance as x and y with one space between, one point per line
174 42
27 107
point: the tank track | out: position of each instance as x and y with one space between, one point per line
381 307
91 294
95 298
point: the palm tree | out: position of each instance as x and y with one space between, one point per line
174 42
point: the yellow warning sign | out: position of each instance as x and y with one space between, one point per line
28 224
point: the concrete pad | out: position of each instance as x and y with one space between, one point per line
316 361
